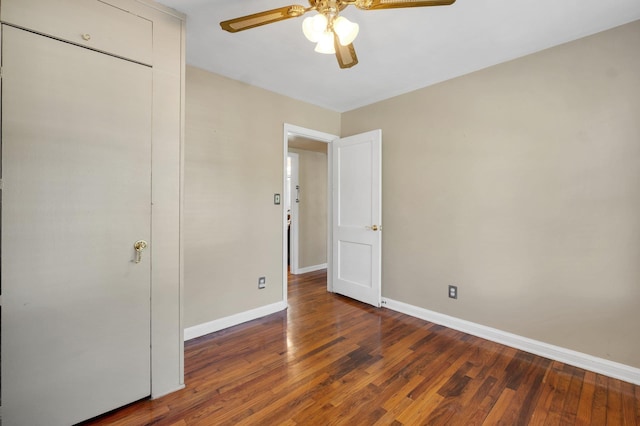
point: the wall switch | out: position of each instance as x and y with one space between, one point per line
262 282
453 291
276 199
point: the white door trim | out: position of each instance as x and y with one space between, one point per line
292 130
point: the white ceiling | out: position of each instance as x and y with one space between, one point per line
399 50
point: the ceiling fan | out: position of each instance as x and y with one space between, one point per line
331 32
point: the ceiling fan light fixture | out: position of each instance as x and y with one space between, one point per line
346 30
325 44
333 34
314 27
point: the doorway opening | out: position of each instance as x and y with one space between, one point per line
307 208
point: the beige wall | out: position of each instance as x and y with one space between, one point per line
521 185
312 209
233 166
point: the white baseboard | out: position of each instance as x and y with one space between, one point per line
310 269
222 323
557 353
154 396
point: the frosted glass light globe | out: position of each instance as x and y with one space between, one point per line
347 31
325 44
314 26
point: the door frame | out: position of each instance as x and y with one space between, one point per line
293 130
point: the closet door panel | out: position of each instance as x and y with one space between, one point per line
76 165
89 23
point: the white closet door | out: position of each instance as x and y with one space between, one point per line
76 145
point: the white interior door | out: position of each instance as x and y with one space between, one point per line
357 216
76 146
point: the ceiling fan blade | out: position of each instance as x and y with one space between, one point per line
392 4
346 55
262 18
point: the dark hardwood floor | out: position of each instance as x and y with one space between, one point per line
330 360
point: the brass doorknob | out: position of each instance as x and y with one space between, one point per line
374 227
139 245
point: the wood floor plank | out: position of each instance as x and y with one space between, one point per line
487 396
561 391
637 398
420 409
572 401
583 416
614 402
402 393
479 403
600 398
550 382
330 360
495 416
528 392
390 416
629 404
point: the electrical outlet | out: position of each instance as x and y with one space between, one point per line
262 282
453 291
